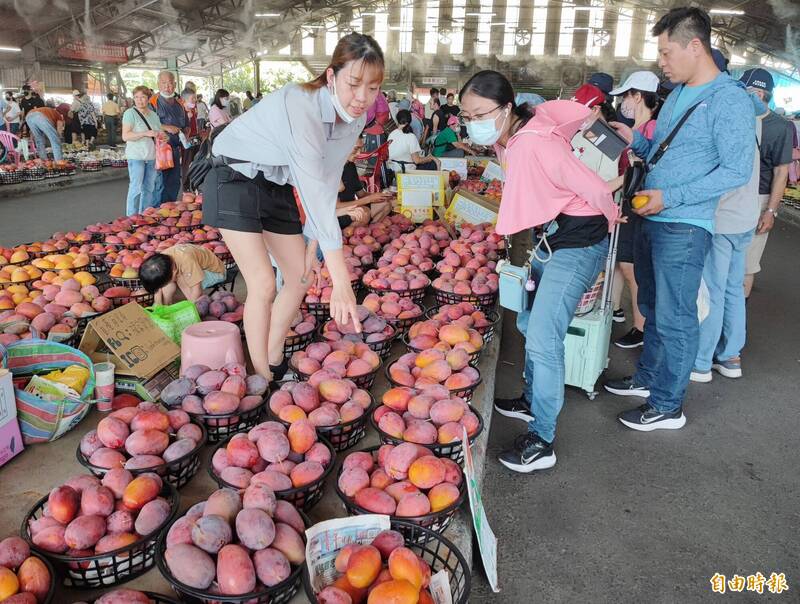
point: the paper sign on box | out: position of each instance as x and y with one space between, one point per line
472 208
434 181
457 164
417 206
493 171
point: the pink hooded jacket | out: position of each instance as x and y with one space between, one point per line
544 178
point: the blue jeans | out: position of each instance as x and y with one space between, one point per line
142 175
168 182
723 333
669 264
111 128
559 286
42 128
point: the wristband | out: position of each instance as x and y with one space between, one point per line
773 212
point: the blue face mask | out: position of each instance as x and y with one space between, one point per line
484 132
759 105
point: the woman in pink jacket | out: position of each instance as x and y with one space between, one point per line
549 189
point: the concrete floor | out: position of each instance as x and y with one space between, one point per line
623 517
635 517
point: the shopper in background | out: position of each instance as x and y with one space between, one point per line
546 186
73 121
710 155
417 125
391 99
723 332
29 101
451 106
202 113
170 111
87 118
218 114
639 103
356 205
141 127
248 100
189 102
111 113
12 114
606 168
447 144
776 155
293 146
432 104
405 153
63 109
45 124
186 267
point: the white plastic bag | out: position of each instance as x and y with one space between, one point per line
703 301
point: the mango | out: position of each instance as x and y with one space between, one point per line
387 541
151 419
51 539
363 566
63 504
220 403
112 432
413 505
272 479
426 472
255 528
286 513
225 503
121 521
13 552
271 566
305 473
289 542
273 447
140 491
147 442
211 533
302 436
107 458
376 501
9 584
180 531
190 565
152 516
241 452
34 578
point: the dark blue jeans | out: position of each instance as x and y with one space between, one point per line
168 182
669 259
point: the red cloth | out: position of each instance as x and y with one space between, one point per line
589 95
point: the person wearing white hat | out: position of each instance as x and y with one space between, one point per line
640 104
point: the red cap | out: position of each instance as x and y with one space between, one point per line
589 95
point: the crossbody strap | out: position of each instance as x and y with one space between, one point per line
144 119
662 148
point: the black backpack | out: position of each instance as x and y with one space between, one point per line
205 160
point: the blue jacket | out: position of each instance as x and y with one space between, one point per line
711 154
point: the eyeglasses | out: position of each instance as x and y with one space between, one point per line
477 117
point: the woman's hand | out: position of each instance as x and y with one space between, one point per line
343 305
623 130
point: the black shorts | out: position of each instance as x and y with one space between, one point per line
89 131
233 201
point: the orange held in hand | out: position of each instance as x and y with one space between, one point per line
639 201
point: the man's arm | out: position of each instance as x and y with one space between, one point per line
780 176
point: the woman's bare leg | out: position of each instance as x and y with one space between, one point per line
289 252
252 258
630 279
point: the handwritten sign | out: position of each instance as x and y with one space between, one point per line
433 181
493 171
468 207
456 164
128 338
417 206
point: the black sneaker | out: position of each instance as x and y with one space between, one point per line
647 419
279 371
633 339
626 386
530 453
619 316
518 408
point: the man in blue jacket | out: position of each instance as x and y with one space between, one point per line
711 154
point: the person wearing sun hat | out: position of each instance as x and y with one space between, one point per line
593 97
640 105
447 144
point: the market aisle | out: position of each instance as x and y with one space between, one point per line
635 517
37 217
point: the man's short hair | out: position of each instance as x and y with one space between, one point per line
110 96
434 91
168 73
684 24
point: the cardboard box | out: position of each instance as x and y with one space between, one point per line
417 206
144 358
472 208
434 181
10 436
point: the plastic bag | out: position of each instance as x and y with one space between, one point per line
703 301
173 319
164 160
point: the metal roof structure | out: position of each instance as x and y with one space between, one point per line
198 37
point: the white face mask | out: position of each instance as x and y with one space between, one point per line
225 102
337 104
484 132
627 110
166 95
190 105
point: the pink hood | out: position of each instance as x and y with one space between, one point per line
543 176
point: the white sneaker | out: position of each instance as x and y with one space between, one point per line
701 377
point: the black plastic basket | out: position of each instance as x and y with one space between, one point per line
303 498
435 521
453 450
320 310
487 332
417 294
108 569
364 382
222 427
96 264
382 349
344 435
465 393
437 551
298 342
474 357
130 283
177 472
282 593
482 301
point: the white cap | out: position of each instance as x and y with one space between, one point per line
646 81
